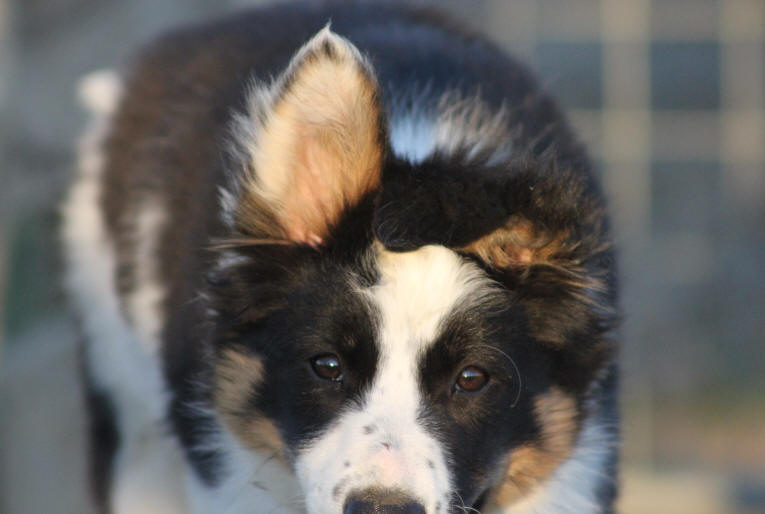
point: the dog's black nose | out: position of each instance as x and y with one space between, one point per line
382 501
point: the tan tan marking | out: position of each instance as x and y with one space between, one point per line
518 243
529 465
521 246
237 373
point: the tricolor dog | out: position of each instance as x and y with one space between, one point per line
346 268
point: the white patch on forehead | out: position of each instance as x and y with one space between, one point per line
417 290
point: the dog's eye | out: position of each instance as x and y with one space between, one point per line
471 379
327 366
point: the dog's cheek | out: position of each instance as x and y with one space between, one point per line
238 374
531 463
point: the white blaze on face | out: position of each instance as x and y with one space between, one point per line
383 444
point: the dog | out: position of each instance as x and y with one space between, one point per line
341 259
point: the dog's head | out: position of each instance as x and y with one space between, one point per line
409 337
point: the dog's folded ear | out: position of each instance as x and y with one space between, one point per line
315 143
539 227
527 212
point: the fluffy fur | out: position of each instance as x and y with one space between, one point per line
294 249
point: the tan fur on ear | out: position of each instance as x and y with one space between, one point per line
320 147
518 243
521 246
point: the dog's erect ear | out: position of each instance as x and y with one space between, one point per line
316 143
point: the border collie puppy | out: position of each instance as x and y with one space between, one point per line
363 268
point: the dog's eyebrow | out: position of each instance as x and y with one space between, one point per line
348 341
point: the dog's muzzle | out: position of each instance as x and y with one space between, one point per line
382 501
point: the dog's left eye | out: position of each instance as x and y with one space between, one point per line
471 379
327 366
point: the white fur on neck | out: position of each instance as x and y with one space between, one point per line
148 464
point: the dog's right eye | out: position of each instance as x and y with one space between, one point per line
327 366
471 379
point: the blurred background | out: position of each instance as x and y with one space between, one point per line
668 94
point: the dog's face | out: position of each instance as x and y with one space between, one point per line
395 353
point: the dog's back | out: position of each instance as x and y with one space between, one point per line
173 236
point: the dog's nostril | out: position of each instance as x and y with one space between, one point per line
382 501
364 507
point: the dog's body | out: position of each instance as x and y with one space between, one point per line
382 282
